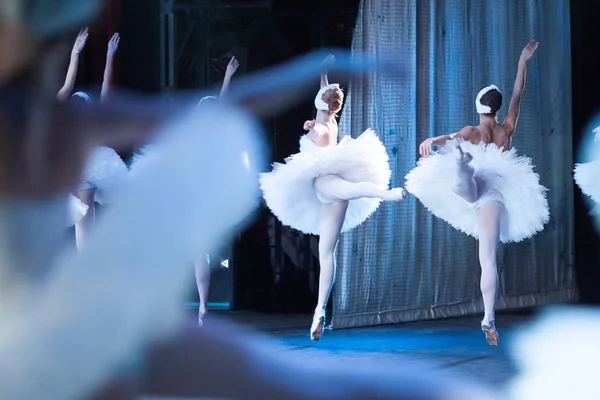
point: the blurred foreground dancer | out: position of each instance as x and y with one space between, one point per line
471 183
69 321
202 263
557 356
587 175
329 188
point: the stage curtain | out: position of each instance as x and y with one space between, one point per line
403 264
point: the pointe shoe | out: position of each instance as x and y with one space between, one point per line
318 325
395 194
463 158
491 334
201 314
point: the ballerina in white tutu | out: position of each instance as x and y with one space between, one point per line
105 171
328 187
470 183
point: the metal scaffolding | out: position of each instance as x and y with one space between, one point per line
183 18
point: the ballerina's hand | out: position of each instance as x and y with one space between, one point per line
308 125
232 67
426 147
113 44
329 60
528 51
80 41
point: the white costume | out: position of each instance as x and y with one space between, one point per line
501 176
77 210
289 189
105 171
587 175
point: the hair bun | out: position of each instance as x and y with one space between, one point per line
334 105
334 99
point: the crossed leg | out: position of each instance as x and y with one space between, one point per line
336 188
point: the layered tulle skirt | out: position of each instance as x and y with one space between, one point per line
289 190
587 176
106 172
77 210
502 176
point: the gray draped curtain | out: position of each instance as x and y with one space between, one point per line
404 264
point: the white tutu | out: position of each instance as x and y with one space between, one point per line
77 210
587 176
289 189
106 172
503 176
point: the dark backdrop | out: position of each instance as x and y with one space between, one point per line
585 42
299 26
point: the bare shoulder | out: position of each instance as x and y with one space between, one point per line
467 133
508 126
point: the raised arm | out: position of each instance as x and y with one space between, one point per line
67 88
113 45
510 122
329 60
231 68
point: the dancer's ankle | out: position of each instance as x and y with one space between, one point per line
488 318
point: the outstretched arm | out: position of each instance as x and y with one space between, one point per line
231 68
329 60
426 147
67 88
510 122
113 45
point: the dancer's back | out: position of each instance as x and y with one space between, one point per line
488 133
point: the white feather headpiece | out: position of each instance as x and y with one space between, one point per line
481 108
319 103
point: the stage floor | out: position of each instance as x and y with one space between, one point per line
456 344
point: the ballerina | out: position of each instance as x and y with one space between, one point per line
57 337
328 188
105 171
202 263
470 183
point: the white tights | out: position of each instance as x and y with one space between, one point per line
488 226
335 188
202 270
84 225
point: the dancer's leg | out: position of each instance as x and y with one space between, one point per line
202 270
331 226
464 184
334 187
84 225
488 223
